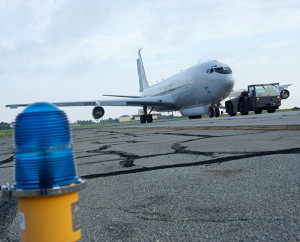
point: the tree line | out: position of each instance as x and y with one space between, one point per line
90 122
4 125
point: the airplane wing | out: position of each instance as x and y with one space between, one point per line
236 93
159 101
63 104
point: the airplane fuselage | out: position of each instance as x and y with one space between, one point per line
199 85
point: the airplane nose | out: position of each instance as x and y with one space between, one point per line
230 81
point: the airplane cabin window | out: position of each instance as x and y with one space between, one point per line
223 70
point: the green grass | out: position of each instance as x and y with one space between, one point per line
99 125
6 132
122 123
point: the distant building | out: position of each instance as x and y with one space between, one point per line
140 112
125 118
135 118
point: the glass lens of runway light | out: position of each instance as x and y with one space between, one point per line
44 153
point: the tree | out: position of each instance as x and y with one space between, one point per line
4 125
85 122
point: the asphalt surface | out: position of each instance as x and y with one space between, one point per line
190 180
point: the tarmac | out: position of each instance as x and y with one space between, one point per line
226 178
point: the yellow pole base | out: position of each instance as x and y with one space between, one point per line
50 218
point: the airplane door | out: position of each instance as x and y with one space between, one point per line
208 87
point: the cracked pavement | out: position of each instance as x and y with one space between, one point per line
156 183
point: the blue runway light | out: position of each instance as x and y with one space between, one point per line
44 154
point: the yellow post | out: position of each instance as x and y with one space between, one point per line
50 218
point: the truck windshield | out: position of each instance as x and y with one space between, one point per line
267 90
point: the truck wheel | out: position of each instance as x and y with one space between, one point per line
242 108
230 109
257 111
271 110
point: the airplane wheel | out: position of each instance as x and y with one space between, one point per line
195 117
211 112
143 119
149 118
217 112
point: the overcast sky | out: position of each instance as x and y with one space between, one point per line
78 50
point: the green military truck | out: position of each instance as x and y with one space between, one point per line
258 98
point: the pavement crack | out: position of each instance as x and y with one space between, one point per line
127 158
179 149
202 136
10 159
2 167
100 150
198 163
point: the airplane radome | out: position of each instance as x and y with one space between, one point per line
195 91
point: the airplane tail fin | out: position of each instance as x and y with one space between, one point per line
142 75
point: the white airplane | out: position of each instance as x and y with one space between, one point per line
195 91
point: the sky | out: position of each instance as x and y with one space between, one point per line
58 51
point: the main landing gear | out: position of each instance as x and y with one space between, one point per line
213 112
146 117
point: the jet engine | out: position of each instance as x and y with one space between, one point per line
284 94
98 112
194 111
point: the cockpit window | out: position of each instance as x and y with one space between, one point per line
223 70
209 71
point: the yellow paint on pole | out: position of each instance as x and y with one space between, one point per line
50 218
